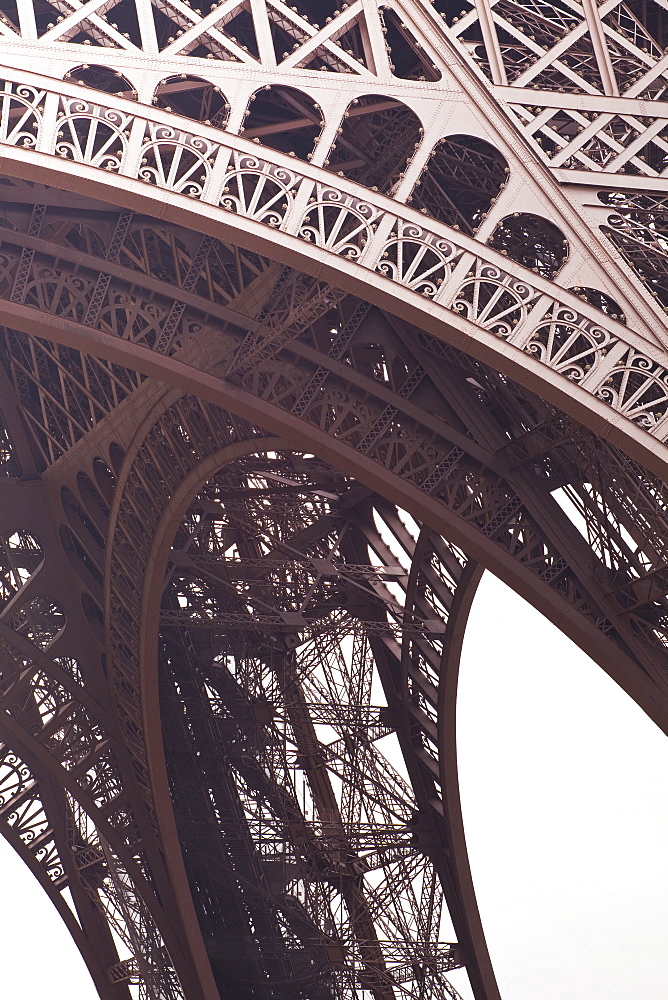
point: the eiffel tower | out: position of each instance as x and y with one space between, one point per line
310 315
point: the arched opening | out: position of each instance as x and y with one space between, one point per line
93 500
377 138
102 78
105 479
532 241
194 98
116 457
253 681
284 119
408 59
88 530
461 181
600 300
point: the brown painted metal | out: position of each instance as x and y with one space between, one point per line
305 326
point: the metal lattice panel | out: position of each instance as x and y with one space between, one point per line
310 314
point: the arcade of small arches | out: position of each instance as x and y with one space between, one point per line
283 369
490 293
462 177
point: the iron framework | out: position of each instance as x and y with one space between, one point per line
310 314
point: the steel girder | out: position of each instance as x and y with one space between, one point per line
304 326
533 314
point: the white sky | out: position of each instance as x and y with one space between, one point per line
565 794
565 791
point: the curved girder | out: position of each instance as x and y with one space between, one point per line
502 437
162 464
404 709
154 340
76 820
128 355
59 779
459 288
279 411
258 346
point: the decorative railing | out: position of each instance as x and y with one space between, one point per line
461 278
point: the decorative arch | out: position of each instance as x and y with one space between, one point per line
260 330
191 523
363 440
103 78
192 97
183 165
285 119
600 300
533 242
462 180
376 140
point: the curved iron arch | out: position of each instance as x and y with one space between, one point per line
396 406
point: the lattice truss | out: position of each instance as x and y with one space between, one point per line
305 629
261 653
305 130
548 50
245 506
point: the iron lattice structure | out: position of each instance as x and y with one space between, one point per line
311 314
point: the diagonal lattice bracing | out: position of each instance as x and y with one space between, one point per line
310 313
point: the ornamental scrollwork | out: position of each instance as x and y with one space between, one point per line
8 262
417 258
638 388
22 808
338 222
221 171
176 160
494 299
258 189
569 343
58 292
131 318
92 134
21 112
15 776
46 855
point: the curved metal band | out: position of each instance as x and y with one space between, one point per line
419 270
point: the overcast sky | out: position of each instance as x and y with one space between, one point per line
565 790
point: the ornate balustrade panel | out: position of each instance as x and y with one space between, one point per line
493 293
289 297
